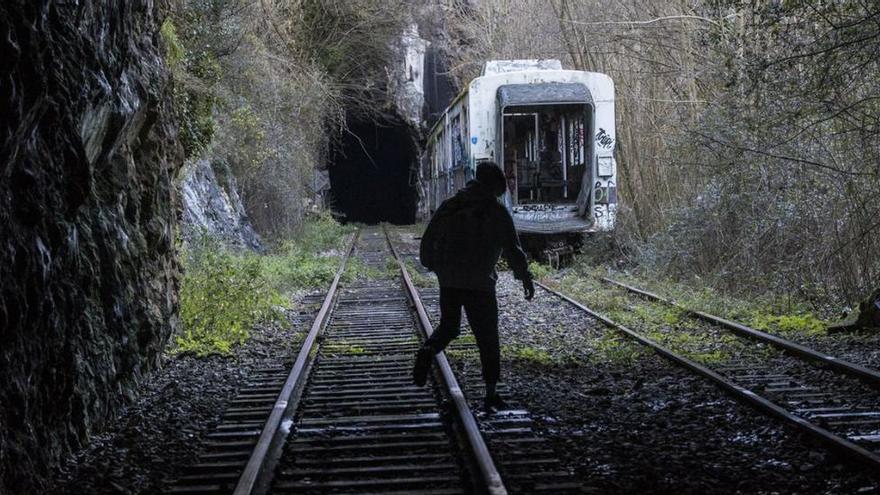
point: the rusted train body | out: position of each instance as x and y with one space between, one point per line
552 132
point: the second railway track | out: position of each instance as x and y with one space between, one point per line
819 395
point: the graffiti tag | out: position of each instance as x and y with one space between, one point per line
603 139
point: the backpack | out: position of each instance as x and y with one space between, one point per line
463 234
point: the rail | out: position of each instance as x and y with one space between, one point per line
835 442
491 478
867 374
257 474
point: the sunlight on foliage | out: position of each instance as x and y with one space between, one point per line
224 294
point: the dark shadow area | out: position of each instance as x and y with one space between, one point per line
370 173
439 87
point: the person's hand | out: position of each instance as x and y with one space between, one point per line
529 288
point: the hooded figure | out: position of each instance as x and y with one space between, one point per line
462 244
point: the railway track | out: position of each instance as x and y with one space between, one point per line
346 417
830 400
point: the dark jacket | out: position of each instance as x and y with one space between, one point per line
466 237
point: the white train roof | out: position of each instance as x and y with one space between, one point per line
500 66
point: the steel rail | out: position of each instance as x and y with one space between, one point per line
258 472
867 374
742 394
491 478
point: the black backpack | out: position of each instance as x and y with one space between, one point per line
464 234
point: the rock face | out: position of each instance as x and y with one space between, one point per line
88 272
408 82
212 206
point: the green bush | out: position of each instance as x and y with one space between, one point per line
297 270
539 270
223 295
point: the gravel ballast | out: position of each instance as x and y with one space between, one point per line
158 434
635 423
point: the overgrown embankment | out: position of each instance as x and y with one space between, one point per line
791 317
262 90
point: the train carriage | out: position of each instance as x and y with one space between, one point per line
552 132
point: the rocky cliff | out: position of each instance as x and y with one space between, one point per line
212 206
87 216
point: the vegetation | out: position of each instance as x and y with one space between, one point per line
260 88
540 270
224 294
343 348
312 259
781 315
531 355
666 325
746 130
420 279
358 270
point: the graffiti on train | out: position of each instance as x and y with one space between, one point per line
604 140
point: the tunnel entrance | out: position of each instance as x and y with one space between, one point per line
370 173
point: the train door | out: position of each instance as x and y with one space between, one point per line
545 153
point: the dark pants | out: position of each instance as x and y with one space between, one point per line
482 314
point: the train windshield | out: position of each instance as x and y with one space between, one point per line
545 153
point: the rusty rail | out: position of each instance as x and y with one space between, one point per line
745 395
867 374
258 472
491 478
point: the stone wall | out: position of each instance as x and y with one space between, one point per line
88 270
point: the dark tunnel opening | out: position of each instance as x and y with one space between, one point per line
370 179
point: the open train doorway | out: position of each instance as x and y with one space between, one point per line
372 167
545 154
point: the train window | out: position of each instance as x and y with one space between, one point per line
457 144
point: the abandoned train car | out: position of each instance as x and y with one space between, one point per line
552 132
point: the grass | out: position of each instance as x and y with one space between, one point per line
343 348
356 269
225 294
669 326
770 313
420 280
531 355
615 348
540 271
311 260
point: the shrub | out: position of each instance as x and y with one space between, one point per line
539 270
223 295
312 259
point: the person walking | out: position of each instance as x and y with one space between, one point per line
462 244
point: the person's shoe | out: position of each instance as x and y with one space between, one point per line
422 366
495 403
